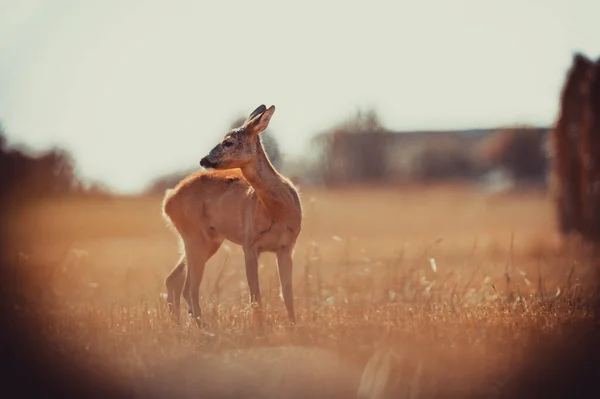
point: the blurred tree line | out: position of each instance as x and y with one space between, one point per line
25 175
361 150
358 150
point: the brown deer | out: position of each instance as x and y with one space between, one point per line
244 200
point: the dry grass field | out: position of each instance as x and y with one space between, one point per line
423 292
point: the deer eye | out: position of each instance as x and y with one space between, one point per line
227 144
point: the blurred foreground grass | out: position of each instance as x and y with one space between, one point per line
455 283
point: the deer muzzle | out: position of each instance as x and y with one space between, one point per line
206 163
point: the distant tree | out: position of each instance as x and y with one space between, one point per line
55 170
25 175
520 151
353 150
305 169
590 155
2 138
434 164
566 161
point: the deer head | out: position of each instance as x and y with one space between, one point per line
242 145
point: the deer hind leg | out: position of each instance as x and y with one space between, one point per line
174 283
197 252
284 267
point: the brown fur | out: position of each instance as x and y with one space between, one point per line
246 201
566 161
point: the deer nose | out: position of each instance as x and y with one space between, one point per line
205 163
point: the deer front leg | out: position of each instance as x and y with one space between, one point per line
284 267
251 259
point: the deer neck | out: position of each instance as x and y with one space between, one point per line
272 189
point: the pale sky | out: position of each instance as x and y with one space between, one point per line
139 88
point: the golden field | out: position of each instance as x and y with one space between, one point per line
442 288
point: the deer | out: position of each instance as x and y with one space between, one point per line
239 197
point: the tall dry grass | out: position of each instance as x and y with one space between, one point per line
417 292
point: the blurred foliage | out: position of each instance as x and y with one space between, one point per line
520 151
361 150
356 150
28 175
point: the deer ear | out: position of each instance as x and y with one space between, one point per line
259 120
257 111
